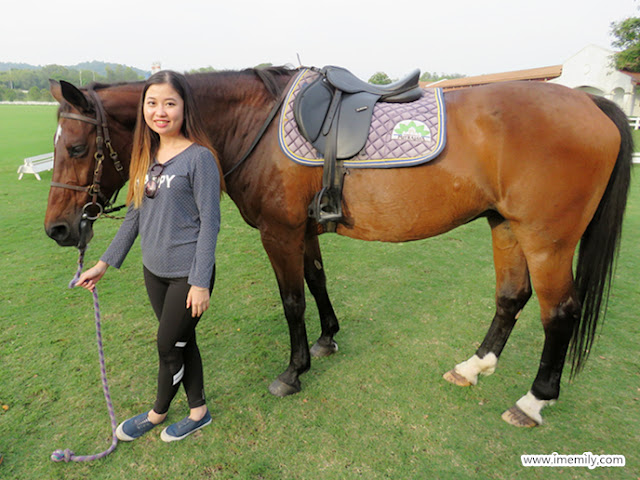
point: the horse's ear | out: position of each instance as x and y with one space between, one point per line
54 88
65 91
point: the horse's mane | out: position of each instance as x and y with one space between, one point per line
274 78
100 86
271 77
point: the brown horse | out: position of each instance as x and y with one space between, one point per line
547 166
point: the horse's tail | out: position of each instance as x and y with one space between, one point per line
599 245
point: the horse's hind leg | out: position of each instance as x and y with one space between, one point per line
513 290
560 310
317 283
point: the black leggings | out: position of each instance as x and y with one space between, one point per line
178 353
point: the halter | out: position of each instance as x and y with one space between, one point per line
102 139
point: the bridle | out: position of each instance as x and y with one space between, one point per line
92 209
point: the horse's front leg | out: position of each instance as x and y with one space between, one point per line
286 253
317 283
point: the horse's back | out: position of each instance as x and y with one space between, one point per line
511 148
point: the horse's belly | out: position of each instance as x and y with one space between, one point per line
408 204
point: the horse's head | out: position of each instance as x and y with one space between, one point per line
92 150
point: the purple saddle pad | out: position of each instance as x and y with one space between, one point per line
401 134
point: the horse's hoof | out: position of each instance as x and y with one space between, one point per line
515 416
454 377
319 351
281 389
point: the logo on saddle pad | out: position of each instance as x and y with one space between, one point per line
411 130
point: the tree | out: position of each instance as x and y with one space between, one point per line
627 33
121 73
85 77
34 94
434 77
45 95
380 78
14 82
202 70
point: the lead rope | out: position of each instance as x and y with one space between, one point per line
67 455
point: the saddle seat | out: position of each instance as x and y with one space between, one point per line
404 90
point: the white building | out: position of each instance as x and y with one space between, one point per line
591 70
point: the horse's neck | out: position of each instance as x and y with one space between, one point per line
234 111
121 103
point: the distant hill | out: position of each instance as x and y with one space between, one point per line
5 66
101 68
94 66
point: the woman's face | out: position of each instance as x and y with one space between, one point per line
163 110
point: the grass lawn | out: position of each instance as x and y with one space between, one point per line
636 139
376 409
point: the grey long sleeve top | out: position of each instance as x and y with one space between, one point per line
179 227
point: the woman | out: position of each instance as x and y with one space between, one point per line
174 205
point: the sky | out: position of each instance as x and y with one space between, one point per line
468 37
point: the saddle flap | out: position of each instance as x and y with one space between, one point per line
310 109
354 121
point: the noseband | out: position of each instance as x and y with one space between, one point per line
92 210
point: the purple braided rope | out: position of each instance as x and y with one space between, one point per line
67 455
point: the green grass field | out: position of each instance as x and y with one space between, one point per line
377 409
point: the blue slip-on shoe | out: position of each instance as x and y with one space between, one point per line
134 427
184 428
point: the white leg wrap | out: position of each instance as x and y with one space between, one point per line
530 405
470 369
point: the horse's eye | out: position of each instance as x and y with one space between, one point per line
78 150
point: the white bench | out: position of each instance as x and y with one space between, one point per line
39 163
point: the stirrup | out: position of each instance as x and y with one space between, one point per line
326 206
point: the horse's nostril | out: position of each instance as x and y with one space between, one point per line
58 232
